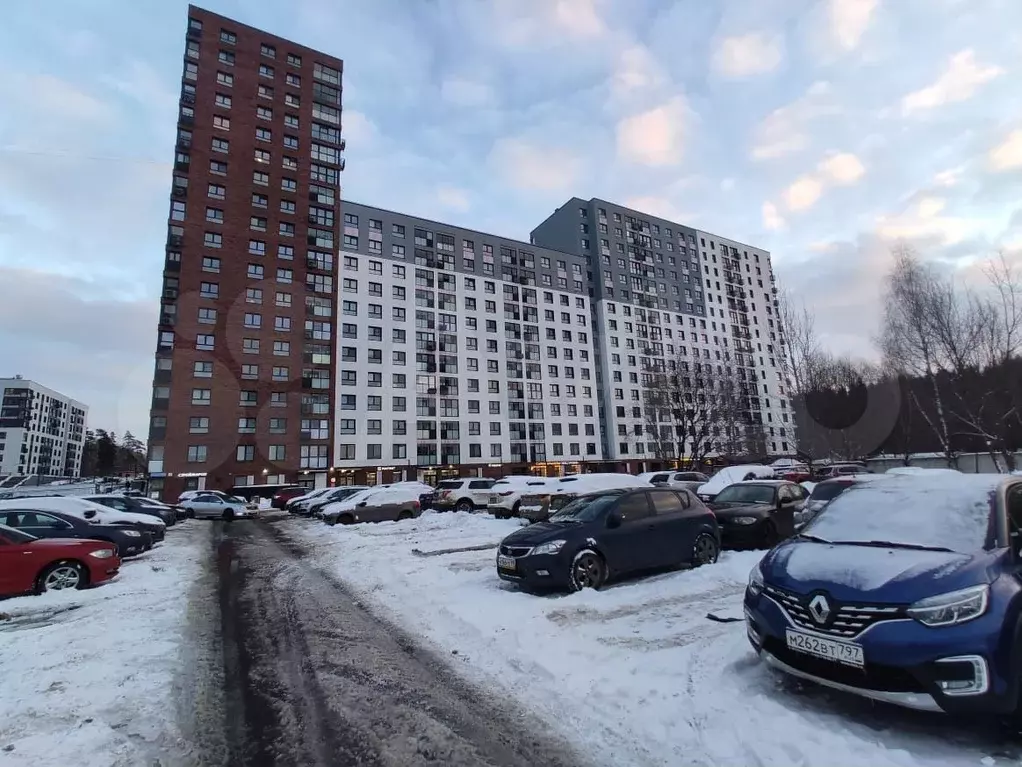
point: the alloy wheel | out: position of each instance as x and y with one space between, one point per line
587 572
62 577
705 551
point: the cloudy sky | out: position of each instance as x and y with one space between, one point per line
823 130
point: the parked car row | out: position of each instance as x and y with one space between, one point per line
348 504
55 542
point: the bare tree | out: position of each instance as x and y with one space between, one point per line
909 339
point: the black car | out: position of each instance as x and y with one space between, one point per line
134 505
758 513
52 524
607 534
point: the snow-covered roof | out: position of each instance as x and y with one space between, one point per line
941 509
733 474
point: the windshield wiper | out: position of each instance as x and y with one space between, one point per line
813 538
895 545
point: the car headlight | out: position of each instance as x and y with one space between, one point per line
756 580
551 547
951 608
132 533
745 520
102 553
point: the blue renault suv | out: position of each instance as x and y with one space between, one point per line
906 590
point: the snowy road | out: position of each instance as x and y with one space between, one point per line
313 679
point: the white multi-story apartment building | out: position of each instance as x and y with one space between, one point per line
42 432
667 297
459 352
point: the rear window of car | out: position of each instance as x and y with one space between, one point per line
480 484
827 491
449 484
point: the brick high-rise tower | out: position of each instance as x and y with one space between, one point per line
243 386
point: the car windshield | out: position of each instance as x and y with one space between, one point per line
585 509
828 491
449 484
946 511
742 493
15 536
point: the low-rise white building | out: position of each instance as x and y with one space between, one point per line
42 432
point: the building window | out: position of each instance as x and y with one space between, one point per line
281 348
255 271
250 372
213 240
221 145
201 396
346 452
209 289
245 453
204 342
221 123
198 425
253 295
246 425
202 370
250 345
197 453
277 453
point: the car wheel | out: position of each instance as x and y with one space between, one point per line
588 571
405 514
228 515
465 506
62 575
705 550
515 509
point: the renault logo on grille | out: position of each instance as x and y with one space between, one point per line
819 608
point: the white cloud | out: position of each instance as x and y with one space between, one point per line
803 193
842 168
526 23
139 81
579 17
636 71
1008 154
466 93
746 55
948 178
359 130
658 206
772 218
924 220
959 81
849 20
655 138
531 167
786 129
453 198
51 98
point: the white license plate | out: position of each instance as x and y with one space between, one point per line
828 649
506 563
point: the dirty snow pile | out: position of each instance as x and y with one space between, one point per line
634 674
89 677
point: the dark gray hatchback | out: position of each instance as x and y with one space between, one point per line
608 534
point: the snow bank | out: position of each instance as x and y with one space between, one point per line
88 676
634 674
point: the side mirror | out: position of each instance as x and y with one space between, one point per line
89 514
613 520
363 503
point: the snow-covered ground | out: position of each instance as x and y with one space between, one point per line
92 677
635 674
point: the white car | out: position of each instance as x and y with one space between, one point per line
559 492
688 480
295 504
378 504
506 493
730 475
211 506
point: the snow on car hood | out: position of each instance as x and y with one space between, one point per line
807 565
733 474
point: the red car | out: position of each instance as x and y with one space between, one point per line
29 564
282 496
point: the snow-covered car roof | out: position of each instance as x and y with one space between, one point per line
913 471
943 510
733 474
590 483
69 504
